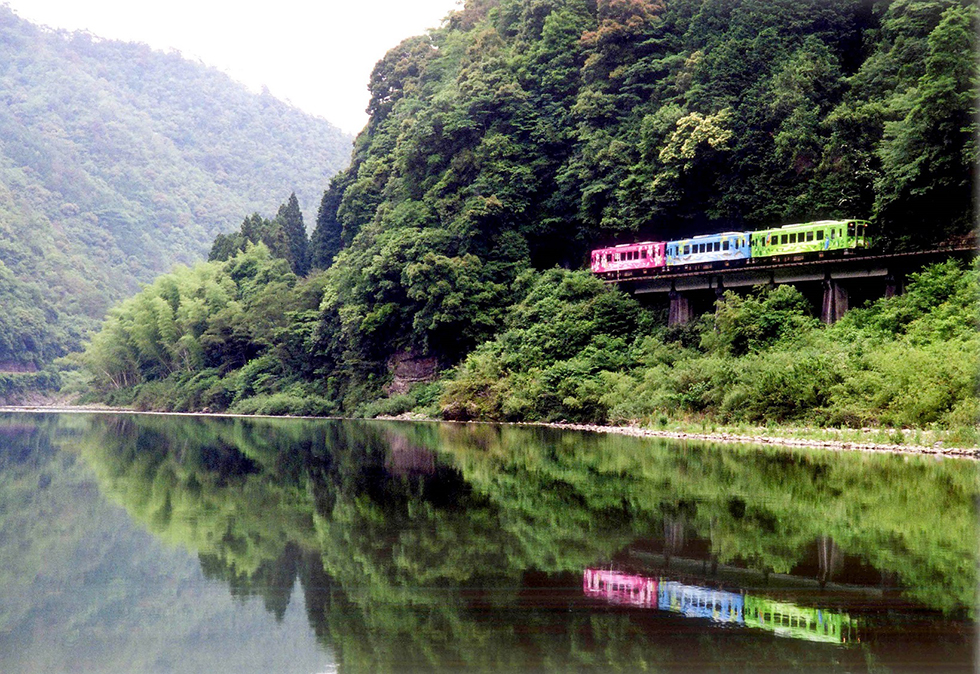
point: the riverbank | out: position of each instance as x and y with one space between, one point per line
914 442
832 439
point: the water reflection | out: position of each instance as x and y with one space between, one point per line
83 589
426 547
720 606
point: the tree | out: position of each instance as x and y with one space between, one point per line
326 240
290 218
929 156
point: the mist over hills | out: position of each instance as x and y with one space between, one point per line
117 162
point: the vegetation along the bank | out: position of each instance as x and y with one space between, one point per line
506 144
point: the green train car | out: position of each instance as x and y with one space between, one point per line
799 622
811 237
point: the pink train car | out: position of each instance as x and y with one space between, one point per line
629 257
616 587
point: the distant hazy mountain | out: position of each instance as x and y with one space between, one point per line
116 162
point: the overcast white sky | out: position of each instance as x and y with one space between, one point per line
316 54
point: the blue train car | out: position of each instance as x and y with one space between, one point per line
701 602
727 246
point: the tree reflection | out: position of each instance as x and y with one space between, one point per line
453 546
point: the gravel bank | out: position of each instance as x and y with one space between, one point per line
939 449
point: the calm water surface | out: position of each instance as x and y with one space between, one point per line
166 544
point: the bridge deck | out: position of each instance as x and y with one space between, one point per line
794 269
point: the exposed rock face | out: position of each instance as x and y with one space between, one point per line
407 369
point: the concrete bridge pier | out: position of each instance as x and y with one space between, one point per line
894 285
835 298
680 309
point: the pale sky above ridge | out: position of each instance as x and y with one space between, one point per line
316 55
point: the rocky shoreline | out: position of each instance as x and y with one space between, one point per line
938 449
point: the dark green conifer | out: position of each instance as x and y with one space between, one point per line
291 219
326 241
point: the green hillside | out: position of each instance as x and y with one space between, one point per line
116 162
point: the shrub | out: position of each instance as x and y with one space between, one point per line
284 404
762 319
780 385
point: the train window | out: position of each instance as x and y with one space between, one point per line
687 250
792 238
785 239
819 235
724 245
809 236
609 257
850 229
643 253
717 246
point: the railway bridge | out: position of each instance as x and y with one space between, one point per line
832 281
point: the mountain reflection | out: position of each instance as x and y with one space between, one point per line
428 546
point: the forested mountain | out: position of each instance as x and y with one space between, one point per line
118 161
524 132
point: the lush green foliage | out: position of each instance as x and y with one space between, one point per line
909 360
118 162
207 336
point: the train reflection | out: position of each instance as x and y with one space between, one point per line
783 618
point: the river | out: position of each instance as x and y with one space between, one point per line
132 543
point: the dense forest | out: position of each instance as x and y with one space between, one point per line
524 132
117 162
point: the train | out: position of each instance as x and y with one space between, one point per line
727 249
741 608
